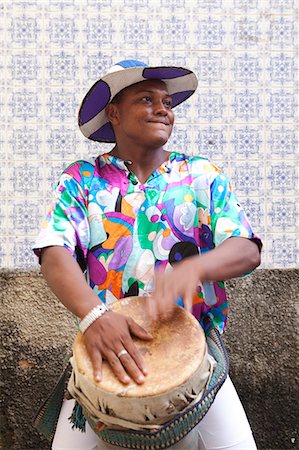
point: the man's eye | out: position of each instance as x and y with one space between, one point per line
146 98
168 103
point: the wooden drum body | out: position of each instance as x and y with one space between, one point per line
179 370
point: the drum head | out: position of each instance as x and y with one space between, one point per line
171 358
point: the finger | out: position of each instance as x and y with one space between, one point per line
167 302
188 300
96 359
151 307
128 362
136 357
138 331
160 294
117 367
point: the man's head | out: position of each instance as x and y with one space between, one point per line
142 114
179 83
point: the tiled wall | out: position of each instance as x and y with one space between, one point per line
242 117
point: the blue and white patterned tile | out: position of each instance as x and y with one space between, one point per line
282 250
61 143
61 105
54 6
246 33
282 32
212 142
211 33
3 142
98 32
24 105
211 68
282 5
4 242
95 64
21 255
3 215
282 142
248 179
24 30
282 178
246 6
3 27
281 69
24 67
3 105
89 149
61 31
177 58
24 217
246 69
281 105
138 6
25 179
136 31
24 142
180 140
172 32
165 4
183 112
52 174
255 211
282 215
246 142
3 67
211 106
61 68
246 105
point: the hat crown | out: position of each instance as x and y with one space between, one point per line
126 64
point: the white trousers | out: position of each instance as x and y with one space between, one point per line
225 426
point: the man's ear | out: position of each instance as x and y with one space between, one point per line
112 113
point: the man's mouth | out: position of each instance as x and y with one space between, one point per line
163 122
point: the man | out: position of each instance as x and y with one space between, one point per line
139 219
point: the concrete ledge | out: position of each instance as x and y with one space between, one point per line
261 339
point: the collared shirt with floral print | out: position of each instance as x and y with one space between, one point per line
120 230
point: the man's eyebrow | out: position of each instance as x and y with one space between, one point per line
142 91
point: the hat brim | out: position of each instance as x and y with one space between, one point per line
93 122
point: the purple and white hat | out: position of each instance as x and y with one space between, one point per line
93 122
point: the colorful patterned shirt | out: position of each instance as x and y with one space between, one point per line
121 230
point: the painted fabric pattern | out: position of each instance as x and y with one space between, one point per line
121 230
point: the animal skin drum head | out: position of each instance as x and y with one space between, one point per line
172 357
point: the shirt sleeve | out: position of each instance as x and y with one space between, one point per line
228 219
66 223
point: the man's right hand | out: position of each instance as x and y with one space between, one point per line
106 337
110 333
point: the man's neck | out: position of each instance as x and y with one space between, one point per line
142 162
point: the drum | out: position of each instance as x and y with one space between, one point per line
179 369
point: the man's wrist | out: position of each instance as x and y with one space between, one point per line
201 270
94 314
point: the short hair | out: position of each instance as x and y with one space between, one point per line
118 97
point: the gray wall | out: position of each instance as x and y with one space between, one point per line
37 333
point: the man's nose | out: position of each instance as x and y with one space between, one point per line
161 108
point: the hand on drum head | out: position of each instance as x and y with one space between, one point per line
180 282
110 338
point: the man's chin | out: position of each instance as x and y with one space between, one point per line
161 139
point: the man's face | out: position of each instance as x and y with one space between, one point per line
143 114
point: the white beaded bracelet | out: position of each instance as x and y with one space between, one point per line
93 315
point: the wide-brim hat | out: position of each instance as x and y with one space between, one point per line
93 122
